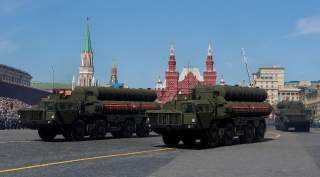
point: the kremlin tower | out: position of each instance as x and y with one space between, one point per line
114 77
210 75
171 76
190 77
114 83
86 71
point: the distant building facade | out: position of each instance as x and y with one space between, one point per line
272 80
289 94
86 71
14 76
312 101
190 77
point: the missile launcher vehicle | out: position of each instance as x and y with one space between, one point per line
212 116
91 111
292 114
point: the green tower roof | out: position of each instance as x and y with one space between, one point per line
87 40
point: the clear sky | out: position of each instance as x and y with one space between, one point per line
136 34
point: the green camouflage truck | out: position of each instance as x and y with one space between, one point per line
91 111
212 116
292 114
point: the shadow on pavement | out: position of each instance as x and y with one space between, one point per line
89 139
198 147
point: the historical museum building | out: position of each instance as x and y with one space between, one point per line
190 77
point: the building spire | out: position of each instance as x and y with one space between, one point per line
222 82
171 50
209 49
209 62
172 60
87 39
114 77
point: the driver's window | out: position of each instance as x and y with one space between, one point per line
188 108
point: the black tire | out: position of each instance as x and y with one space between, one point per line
285 127
189 141
170 140
116 134
228 135
307 128
210 138
260 131
248 134
128 129
143 131
100 130
78 130
67 133
47 134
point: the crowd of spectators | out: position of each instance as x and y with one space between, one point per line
9 118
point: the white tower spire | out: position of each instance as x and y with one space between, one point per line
171 50
209 49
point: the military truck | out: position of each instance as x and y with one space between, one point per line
212 116
91 111
292 114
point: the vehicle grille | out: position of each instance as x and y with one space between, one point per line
165 118
32 115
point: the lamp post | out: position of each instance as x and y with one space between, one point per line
52 77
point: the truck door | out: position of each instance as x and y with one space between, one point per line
189 115
204 115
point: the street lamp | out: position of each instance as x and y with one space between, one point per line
52 77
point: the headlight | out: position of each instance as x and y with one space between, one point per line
193 120
148 120
19 115
52 117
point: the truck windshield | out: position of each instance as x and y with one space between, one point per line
49 105
187 108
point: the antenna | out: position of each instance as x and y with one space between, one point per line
245 60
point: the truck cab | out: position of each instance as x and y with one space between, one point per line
292 114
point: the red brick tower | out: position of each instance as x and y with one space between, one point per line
172 76
209 75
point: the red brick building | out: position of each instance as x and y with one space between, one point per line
180 84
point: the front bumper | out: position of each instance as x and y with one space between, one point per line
173 128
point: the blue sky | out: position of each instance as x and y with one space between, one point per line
38 34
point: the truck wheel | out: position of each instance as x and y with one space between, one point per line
228 134
143 131
260 131
67 133
128 129
189 141
117 134
248 134
100 130
47 134
210 138
78 130
170 140
285 127
306 128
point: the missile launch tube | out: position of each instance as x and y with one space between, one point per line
124 94
234 93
